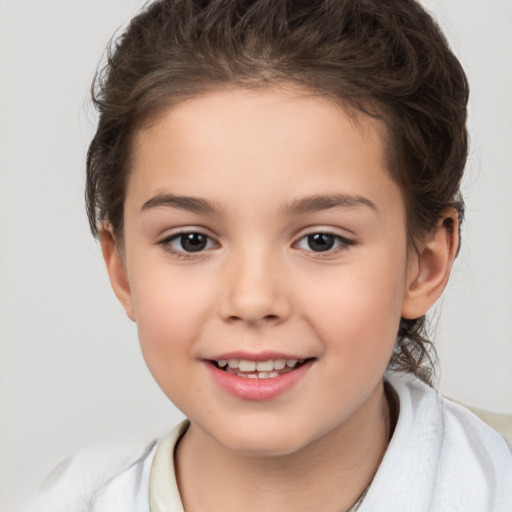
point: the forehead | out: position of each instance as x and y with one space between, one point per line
254 103
228 142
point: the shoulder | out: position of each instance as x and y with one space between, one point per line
451 420
441 457
99 479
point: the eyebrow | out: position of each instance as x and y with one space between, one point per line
191 204
311 204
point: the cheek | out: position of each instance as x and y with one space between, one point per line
357 311
170 312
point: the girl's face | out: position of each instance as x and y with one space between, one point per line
263 228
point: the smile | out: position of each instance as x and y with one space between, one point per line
259 369
264 379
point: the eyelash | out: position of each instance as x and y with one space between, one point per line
182 254
342 242
166 243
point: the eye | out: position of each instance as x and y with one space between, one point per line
323 242
187 242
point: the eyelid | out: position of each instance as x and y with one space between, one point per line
344 242
165 242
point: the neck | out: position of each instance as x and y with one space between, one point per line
329 474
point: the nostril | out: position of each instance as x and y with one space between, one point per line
268 318
253 308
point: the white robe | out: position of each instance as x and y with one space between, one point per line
441 458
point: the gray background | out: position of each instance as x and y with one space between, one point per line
70 369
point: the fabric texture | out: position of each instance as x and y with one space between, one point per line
441 458
99 479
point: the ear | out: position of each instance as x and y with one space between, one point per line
116 269
429 266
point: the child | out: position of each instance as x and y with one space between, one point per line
275 186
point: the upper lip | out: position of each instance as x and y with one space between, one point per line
256 356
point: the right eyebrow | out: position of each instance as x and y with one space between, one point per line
189 203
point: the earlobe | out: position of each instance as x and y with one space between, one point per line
430 265
116 270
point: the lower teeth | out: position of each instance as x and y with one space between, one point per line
257 375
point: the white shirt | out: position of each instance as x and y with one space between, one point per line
441 458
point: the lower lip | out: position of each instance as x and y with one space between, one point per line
257 389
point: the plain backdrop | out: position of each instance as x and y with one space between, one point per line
71 373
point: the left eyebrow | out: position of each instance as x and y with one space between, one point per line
191 204
311 204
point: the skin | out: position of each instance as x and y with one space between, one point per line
259 285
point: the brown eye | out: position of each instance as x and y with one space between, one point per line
323 242
187 242
193 242
320 242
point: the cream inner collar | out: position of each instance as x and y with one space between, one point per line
164 495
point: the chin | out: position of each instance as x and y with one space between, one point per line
266 448
264 442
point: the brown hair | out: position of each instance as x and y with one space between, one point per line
386 59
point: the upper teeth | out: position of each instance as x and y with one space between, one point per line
244 365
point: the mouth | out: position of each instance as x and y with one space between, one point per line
258 377
268 369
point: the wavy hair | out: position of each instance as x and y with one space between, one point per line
387 59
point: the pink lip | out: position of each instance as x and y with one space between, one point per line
257 389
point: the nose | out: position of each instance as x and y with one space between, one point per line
255 290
